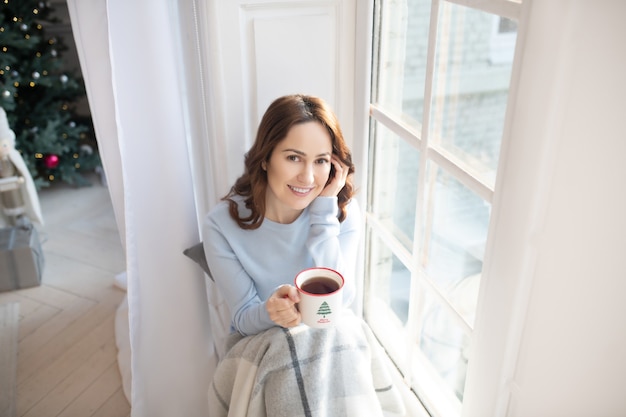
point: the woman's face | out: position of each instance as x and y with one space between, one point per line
297 171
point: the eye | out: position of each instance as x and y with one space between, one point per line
322 161
293 158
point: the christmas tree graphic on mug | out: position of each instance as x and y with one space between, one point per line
324 309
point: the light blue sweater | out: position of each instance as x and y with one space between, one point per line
248 265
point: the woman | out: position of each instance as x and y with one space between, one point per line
291 209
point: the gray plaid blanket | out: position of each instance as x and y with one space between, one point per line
305 372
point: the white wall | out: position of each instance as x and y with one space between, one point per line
551 339
259 50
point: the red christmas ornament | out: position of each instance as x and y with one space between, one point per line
51 161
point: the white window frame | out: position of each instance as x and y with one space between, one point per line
437 402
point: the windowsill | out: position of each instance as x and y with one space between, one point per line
433 390
414 407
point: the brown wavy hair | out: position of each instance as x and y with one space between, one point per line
284 113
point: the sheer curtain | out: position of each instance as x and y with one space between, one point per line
129 53
175 106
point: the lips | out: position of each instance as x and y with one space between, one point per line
299 190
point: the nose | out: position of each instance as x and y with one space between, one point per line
306 175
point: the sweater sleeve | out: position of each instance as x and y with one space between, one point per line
333 244
248 313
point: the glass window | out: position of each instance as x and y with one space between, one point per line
456 232
444 342
402 29
389 288
469 93
394 186
438 109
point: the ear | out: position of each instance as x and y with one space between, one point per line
264 165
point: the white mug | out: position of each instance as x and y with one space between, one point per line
321 296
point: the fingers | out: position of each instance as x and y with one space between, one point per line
338 181
342 171
281 306
288 291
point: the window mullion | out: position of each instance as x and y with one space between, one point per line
414 322
445 302
391 241
461 173
403 130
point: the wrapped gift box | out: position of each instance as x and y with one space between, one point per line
21 258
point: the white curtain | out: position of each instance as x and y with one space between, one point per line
171 135
131 61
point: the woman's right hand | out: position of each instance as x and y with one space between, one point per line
281 306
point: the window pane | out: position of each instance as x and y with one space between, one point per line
470 91
401 66
444 344
387 297
394 183
456 238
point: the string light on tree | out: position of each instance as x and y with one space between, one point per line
39 96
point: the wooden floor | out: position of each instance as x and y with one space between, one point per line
67 363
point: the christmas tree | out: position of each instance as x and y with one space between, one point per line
40 97
324 309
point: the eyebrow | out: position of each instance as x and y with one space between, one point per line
302 153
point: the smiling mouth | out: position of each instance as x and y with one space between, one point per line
299 190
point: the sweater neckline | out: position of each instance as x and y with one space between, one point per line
285 226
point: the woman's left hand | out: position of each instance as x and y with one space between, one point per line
338 181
